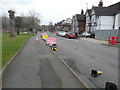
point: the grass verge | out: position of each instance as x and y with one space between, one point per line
0 52
11 45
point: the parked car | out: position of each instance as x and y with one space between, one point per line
92 34
58 33
70 35
86 34
62 33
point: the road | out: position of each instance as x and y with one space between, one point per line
83 56
38 67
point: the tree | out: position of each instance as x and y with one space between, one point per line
5 23
35 19
51 27
18 24
11 22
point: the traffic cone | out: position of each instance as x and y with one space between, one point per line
99 72
95 73
55 49
110 86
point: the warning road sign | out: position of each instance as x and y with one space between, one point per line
113 40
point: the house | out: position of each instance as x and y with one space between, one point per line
88 20
58 26
67 24
78 22
64 25
103 20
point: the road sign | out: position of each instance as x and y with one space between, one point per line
113 40
51 40
44 36
45 33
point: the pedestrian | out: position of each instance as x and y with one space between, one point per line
79 34
76 35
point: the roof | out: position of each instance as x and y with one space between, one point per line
103 11
107 11
88 11
115 7
80 17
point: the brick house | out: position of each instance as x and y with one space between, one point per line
78 22
67 24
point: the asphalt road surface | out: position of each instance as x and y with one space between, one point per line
83 56
38 67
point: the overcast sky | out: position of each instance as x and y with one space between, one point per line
51 10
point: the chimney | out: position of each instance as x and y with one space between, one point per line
100 3
82 12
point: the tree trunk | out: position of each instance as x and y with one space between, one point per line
18 32
28 31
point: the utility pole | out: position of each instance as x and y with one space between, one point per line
11 23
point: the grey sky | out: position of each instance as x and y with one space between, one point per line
51 10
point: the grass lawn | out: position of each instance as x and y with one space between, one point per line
11 45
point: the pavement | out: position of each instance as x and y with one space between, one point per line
3 34
97 41
94 40
85 54
37 66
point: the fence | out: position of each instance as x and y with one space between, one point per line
104 34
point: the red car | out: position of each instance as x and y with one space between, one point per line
70 35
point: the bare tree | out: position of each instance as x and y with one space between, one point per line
35 18
5 23
51 27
